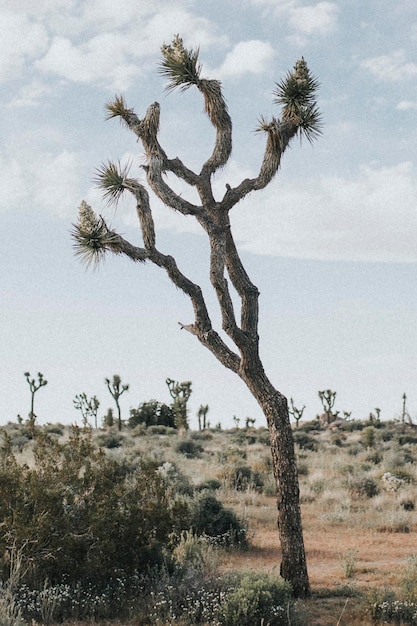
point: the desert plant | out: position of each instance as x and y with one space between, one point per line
327 398
34 387
88 407
189 448
296 94
256 598
295 412
116 389
152 413
210 518
180 393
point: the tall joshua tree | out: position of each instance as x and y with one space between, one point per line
296 94
34 387
116 389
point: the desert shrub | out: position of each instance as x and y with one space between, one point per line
387 435
189 448
305 441
374 457
175 482
407 505
210 518
263 437
212 484
243 477
19 441
368 437
256 598
402 608
201 435
306 427
362 487
302 468
54 429
110 440
77 514
152 413
407 438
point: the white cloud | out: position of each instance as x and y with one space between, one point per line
20 40
407 105
102 58
253 57
44 181
319 18
30 94
372 217
391 67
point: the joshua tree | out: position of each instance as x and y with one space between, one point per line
296 413
34 387
202 415
87 406
180 392
296 95
327 398
116 389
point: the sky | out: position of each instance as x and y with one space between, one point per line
331 243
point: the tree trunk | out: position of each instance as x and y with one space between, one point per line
275 408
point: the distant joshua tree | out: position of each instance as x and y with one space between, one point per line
296 95
87 406
34 387
295 412
116 389
180 393
327 398
202 415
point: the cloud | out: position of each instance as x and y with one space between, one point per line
313 19
371 217
20 41
253 57
47 182
320 18
391 67
407 105
102 58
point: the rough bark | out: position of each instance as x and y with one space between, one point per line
225 267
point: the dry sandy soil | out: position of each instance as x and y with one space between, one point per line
379 560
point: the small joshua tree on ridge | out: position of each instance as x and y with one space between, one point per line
87 406
116 389
299 117
296 413
34 387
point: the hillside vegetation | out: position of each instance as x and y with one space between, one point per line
151 525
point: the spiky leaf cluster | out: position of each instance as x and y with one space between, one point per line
116 108
179 65
112 179
297 95
91 236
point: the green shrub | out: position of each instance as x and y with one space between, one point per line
109 440
243 477
209 517
363 487
305 441
211 484
152 413
256 598
368 437
77 514
189 448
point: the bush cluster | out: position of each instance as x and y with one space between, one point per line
77 514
